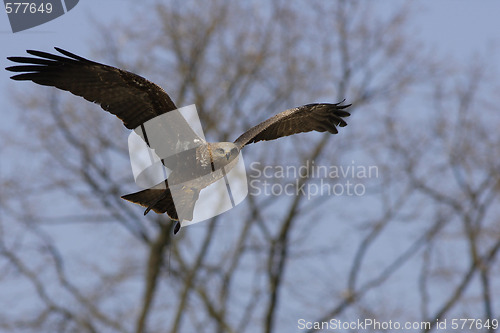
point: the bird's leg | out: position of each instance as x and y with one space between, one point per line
177 227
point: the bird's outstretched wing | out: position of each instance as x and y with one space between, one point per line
306 118
128 96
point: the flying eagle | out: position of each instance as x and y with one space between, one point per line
136 100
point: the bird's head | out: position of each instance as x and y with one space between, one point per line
223 152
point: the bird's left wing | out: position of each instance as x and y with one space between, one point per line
128 96
306 118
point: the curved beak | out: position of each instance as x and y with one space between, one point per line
228 155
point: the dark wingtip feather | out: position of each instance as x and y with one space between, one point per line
55 57
340 106
22 77
342 123
36 53
32 61
25 68
341 113
69 54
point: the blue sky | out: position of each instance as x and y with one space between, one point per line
460 29
457 29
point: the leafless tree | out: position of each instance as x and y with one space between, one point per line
418 244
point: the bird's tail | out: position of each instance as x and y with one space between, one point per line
158 200
161 201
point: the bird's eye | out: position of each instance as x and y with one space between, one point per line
219 151
234 151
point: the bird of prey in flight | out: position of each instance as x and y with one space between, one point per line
136 100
